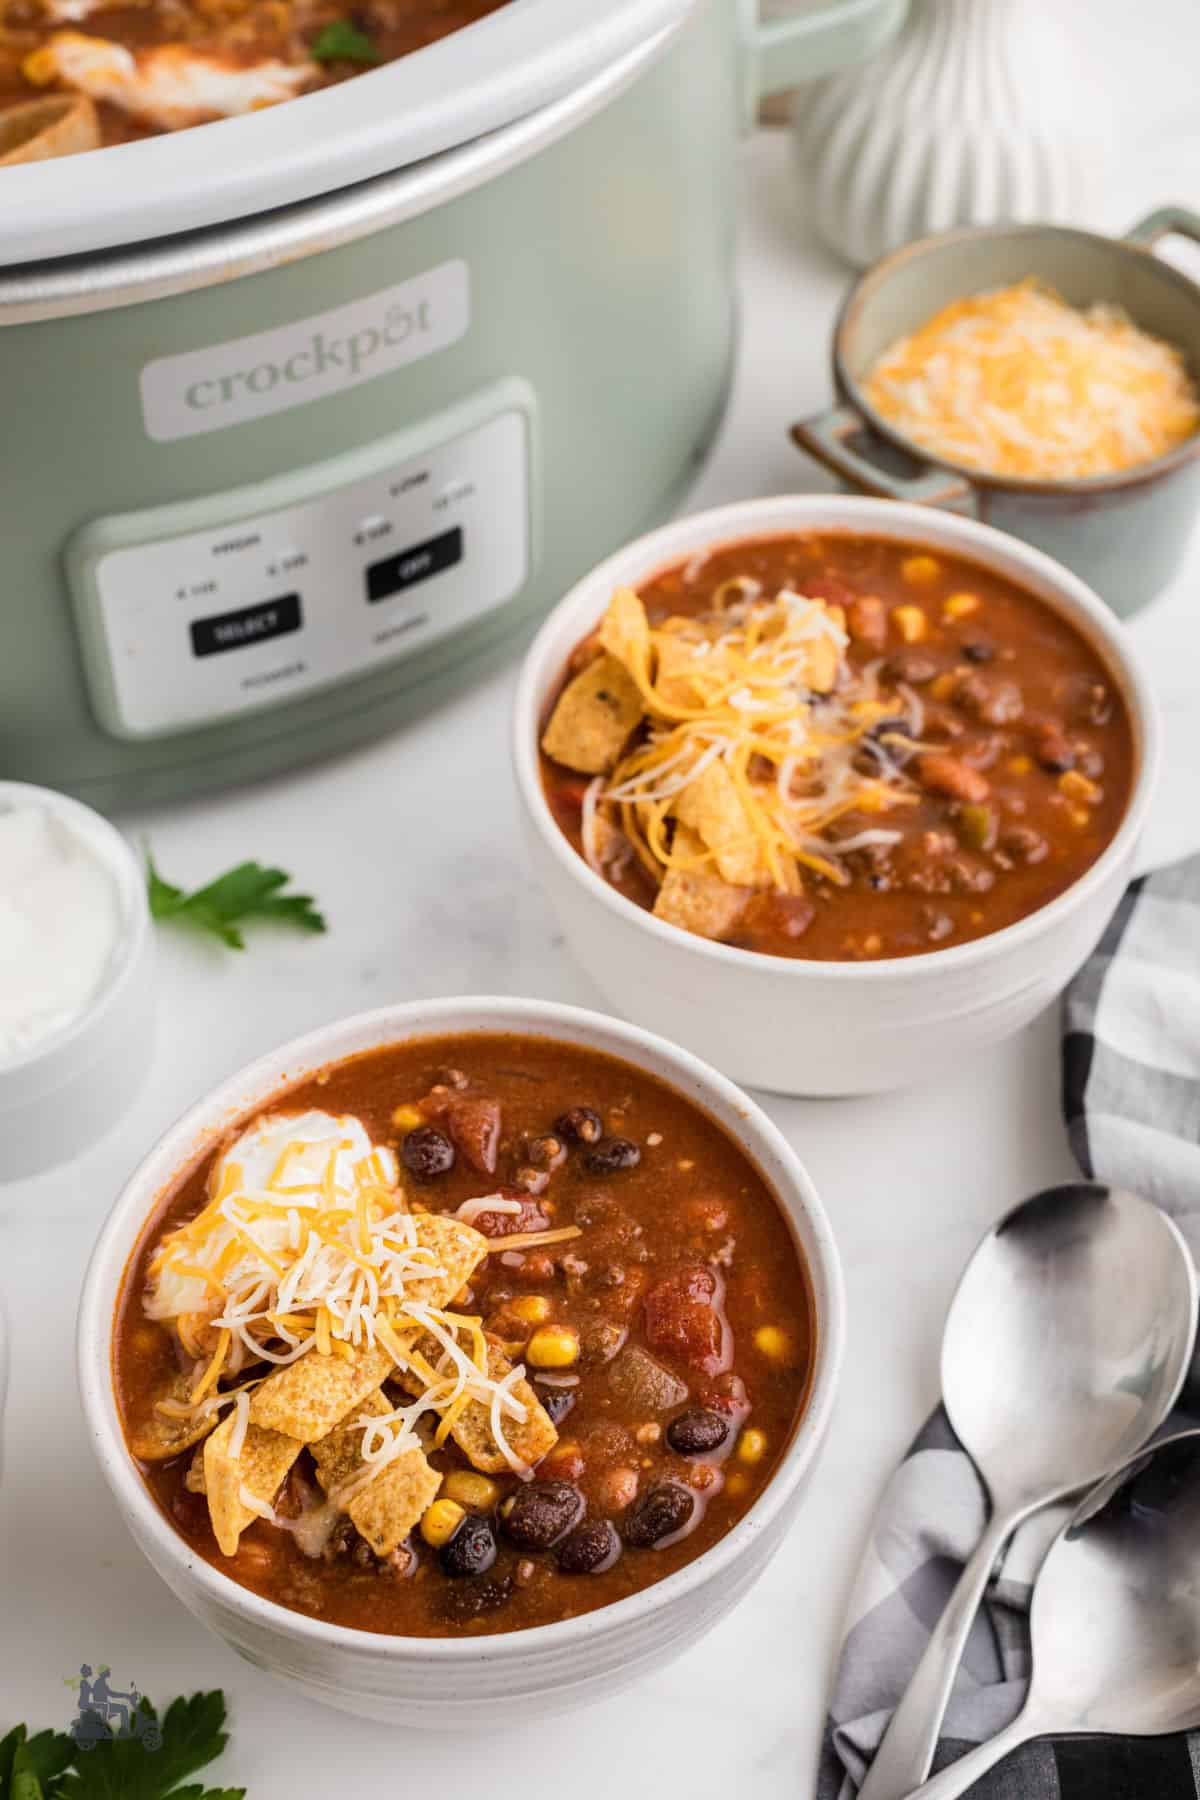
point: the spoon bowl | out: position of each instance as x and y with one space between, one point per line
1116 1616
1067 1341
1066 1346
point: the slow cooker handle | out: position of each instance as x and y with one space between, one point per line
1163 222
827 436
785 51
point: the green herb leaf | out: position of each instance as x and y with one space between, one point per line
342 41
28 1765
247 892
153 1764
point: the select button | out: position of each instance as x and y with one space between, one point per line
408 567
249 625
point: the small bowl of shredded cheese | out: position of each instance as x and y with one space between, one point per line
1044 379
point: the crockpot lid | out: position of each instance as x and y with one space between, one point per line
505 66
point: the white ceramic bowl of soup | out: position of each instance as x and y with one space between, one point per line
809 1027
472 1681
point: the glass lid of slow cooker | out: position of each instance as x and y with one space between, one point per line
518 58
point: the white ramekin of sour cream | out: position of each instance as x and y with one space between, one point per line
76 988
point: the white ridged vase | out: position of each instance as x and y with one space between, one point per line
974 115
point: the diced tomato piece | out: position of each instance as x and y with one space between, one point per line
684 1320
473 1125
827 587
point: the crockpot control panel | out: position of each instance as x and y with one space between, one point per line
196 612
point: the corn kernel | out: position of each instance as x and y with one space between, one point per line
752 1446
737 1484
945 685
467 1489
407 1118
1079 817
960 606
40 67
920 569
773 1342
1077 787
911 623
553 1347
531 1309
441 1521
1019 765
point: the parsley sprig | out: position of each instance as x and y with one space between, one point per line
247 892
52 1766
342 41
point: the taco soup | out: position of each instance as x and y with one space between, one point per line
837 747
148 66
466 1335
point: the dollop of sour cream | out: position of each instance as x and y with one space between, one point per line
60 921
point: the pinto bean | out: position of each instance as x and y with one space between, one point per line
866 620
990 700
916 667
1023 844
952 778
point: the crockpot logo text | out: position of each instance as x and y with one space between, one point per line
247 378
318 357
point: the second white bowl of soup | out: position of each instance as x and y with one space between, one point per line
620 1388
845 790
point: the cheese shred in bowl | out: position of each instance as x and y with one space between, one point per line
1016 382
758 737
309 1267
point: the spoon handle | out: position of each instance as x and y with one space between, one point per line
962 1775
904 1757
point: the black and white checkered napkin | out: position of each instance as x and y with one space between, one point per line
1131 1090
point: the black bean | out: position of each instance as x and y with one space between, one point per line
1054 753
467 1600
472 1549
580 1126
610 1155
978 650
546 1152
662 1512
538 1515
697 1432
591 1548
427 1153
556 1403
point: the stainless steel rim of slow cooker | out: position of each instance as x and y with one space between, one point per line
208 258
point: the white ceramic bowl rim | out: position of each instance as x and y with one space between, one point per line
45 1060
902 520
762 1141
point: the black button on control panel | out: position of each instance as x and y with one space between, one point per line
248 625
408 567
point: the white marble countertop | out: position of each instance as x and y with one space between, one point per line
424 901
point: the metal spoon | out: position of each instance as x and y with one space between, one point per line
1116 1616
1065 1348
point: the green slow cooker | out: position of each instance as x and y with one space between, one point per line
305 410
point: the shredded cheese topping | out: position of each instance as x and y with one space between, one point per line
760 689
1016 382
307 1246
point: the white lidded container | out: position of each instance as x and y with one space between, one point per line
69 1082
